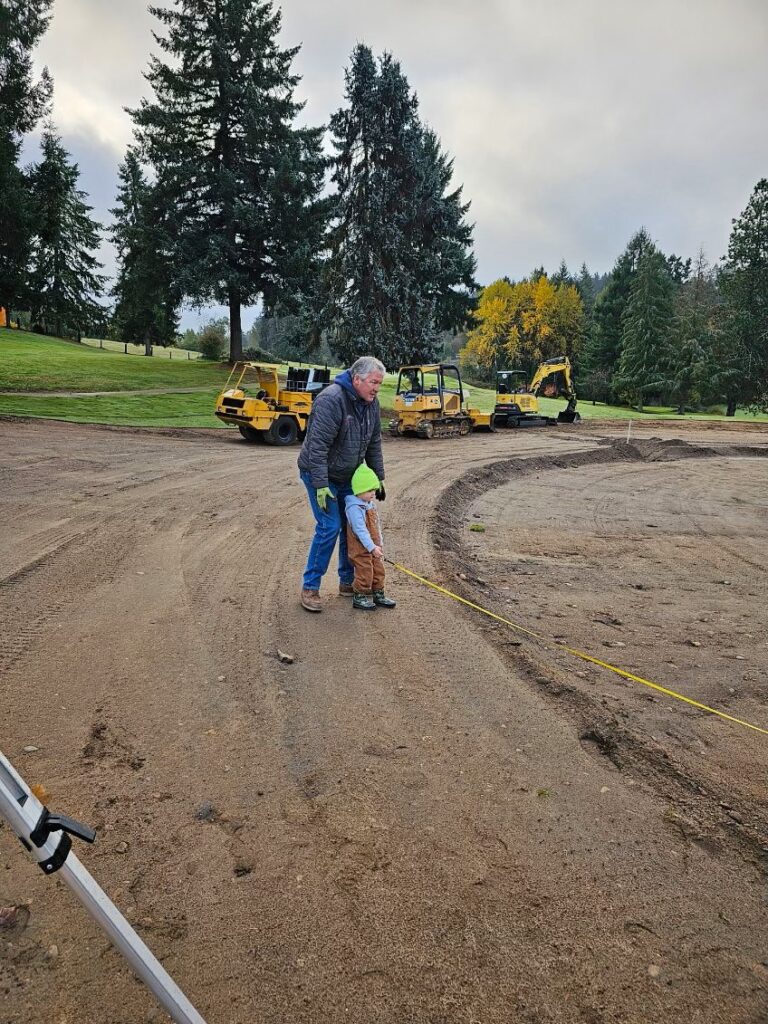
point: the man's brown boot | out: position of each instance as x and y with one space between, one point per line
346 589
310 599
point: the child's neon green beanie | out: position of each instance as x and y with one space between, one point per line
364 479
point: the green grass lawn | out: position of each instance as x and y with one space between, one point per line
186 410
108 345
599 411
31 362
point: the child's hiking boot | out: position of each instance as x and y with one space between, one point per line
364 602
381 601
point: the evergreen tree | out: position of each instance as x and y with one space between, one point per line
645 365
65 281
239 182
146 310
727 377
22 101
678 269
586 285
744 283
696 306
603 349
15 228
444 265
400 267
562 275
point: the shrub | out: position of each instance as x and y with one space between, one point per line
212 341
260 355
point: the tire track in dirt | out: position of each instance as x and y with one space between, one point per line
88 554
45 548
30 600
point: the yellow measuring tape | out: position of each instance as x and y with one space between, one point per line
576 653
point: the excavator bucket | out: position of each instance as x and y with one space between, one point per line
568 416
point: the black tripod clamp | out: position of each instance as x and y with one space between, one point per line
48 823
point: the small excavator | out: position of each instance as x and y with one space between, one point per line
430 401
254 401
517 403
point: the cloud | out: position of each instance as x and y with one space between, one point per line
571 124
97 52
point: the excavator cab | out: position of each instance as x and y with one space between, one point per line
515 405
517 402
508 382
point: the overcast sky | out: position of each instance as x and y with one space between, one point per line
571 123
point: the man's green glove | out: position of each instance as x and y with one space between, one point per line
322 495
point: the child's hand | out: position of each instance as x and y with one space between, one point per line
377 552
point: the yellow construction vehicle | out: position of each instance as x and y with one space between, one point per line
517 403
254 401
430 401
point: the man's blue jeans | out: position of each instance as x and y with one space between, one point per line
330 526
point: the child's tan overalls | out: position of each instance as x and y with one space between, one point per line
369 571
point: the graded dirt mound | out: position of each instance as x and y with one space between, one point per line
661 744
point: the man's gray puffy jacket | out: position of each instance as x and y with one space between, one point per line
343 431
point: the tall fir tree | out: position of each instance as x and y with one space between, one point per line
444 264
744 282
646 362
65 281
240 182
562 275
587 286
147 300
22 102
603 348
16 223
678 269
401 267
696 304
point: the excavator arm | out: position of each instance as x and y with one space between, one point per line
560 366
547 369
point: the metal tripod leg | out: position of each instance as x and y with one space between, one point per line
47 837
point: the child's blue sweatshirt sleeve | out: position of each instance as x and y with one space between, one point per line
356 519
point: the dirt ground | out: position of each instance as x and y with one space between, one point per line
428 816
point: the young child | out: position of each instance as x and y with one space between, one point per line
364 541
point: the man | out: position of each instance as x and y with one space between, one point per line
344 431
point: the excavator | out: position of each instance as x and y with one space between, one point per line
430 401
517 403
262 409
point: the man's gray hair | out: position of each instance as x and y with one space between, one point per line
365 366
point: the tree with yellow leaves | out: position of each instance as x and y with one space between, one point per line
496 329
523 324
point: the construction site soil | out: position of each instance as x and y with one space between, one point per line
420 816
